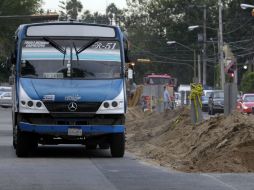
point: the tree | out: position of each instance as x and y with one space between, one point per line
247 84
150 24
74 7
8 27
63 11
114 14
70 8
96 17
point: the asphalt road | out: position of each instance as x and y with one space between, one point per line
73 168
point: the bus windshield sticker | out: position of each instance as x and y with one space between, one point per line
35 44
53 75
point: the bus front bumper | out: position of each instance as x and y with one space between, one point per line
80 130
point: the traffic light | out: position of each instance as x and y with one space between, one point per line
231 74
231 71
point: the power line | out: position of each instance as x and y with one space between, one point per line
146 51
241 55
240 41
241 26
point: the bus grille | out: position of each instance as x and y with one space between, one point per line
84 107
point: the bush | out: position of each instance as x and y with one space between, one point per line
4 70
247 84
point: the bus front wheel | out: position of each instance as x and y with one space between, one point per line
117 145
25 143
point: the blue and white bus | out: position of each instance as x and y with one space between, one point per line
69 86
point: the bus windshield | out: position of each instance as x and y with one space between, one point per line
61 58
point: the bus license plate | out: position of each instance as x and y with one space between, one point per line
74 132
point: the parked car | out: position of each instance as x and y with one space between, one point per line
246 103
184 90
5 89
216 102
177 99
6 99
205 98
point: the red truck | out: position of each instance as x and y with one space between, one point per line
158 79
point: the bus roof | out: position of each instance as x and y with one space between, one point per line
70 28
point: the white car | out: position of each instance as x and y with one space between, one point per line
6 99
177 99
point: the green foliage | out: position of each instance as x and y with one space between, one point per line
20 7
113 16
150 24
96 17
70 9
247 84
113 13
74 7
9 26
4 70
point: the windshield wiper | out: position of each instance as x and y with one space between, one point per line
76 51
55 45
90 43
64 55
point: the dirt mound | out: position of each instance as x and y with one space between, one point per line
221 144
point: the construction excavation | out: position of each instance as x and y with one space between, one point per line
218 144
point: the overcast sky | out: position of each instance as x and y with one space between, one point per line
91 5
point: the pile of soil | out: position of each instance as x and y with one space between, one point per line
220 144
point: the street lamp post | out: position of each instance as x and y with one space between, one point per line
204 46
245 6
220 35
191 28
204 40
194 56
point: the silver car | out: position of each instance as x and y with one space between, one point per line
6 99
216 103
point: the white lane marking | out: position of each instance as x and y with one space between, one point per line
221 182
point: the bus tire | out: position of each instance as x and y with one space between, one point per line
117 145
91 146
14 130
22 146
14 136
104 146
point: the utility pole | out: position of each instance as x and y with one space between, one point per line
199 69
204 46
195 66
222 74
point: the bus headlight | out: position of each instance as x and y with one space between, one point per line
27 105
113 106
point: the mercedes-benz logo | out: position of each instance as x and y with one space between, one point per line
72 106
